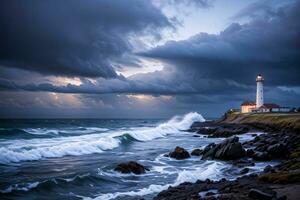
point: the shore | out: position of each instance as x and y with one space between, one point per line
280 142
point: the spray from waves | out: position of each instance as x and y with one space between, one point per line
211 170
36 149
174 125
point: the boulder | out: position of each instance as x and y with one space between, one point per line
268 169
223 130
250 152
277 150
179 153
244 171
131 167
260 195
229 149
243 162
197 152
261 156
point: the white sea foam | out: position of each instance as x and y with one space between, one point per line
36 149
79 130
20 187
211 170
174 125
40 148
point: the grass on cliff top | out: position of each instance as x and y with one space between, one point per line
291 120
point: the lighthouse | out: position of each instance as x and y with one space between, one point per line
259 91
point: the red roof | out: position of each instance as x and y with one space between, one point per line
248 103
270 105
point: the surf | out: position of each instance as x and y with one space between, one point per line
14 151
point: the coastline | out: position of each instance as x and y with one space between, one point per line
280 141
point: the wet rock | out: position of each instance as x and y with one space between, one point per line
250 152
223 130
257 194
244 171
197 152
277 150
179 153
229 149
268 169
261 156
131 167
282 197
243 162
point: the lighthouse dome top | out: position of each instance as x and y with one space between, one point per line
260 78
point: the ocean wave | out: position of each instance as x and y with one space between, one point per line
174 125
79 130
46 184
41 148
30 133
20 187
36 149
211 169
9 133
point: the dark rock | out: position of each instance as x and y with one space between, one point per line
282 198
244 171
243 162
253 175
268 169
179 153
257 194
261 156
250 152
229 149
131 167
210 193
277 150
197 152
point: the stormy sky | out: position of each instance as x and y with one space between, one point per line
145 58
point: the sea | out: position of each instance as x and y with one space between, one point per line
75 158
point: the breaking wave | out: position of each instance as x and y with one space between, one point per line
211 170
41 148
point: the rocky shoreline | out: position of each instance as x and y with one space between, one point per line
277 143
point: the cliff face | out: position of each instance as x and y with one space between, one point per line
273 121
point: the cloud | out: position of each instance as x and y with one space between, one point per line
87 38
208 72
198 3
268 45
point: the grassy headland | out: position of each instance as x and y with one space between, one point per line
290 121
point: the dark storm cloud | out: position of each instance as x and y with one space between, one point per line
268 44
73 37
155 83
200 3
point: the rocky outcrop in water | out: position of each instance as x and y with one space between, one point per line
197 152
213 129
179 153
272 146
229 149
246 188
131 167
281 141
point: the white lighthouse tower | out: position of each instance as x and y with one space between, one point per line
259 91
